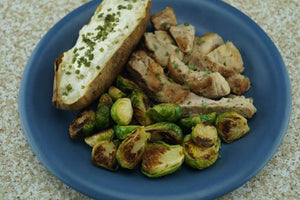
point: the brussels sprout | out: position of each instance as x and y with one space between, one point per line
192 121
140 104
123 132
199 157
115 93
165 112
204 135
83 124
126 85
165 131
100 136
160 159
132 148
104 155
103 119
231 126
121 111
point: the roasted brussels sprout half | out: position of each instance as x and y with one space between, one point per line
194 120
199 157
132 148
100 136
122 112
123 132
83 125
126 85
231 126
140 104
165 112
165 131
104 155
103 119
204 135
115 93
160 159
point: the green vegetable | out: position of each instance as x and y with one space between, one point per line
115 93
199 157
104 155
140 104
160 159
126 85
124 131
165 112
130 151
103 119
192 121
165 131
100 136
204 135
122 112
231 126
83 125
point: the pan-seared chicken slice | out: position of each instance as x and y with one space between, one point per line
150 76
207 84
194 104
202 46
161 45
164 19
225 59
184 35
238 83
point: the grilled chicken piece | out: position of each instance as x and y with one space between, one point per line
161 45
207 84
238 83
202 46
184 35
194 104
164 19
225 59
150 76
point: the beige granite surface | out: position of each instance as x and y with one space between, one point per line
23 23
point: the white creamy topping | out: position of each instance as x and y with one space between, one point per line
97 43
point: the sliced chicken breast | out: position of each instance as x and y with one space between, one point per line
150 76
207 84
164 19
195 104
238 83
184 35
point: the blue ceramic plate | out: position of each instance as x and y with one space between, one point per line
46 128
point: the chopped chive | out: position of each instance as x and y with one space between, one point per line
109 9
201 41
98 67
175 65
186 24
129 6
185 87
77 71
157 75
204 104
167 54
101 49
206 74
177 50
68 73
69 87
192 67
164 24
154 46
189 102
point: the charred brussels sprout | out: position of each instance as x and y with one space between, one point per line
132 148
103 119
165 112
199 157
160 159
123 132
126 85
165 131
122 111
104 155
115 93
83 124
231 126
194 120
140 104
204 135
100 136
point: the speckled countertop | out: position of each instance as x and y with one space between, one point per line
23 23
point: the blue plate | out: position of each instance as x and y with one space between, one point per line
46 128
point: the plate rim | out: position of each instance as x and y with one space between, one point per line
112 194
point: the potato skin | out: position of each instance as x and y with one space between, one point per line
102 81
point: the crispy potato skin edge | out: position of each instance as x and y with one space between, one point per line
113 67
